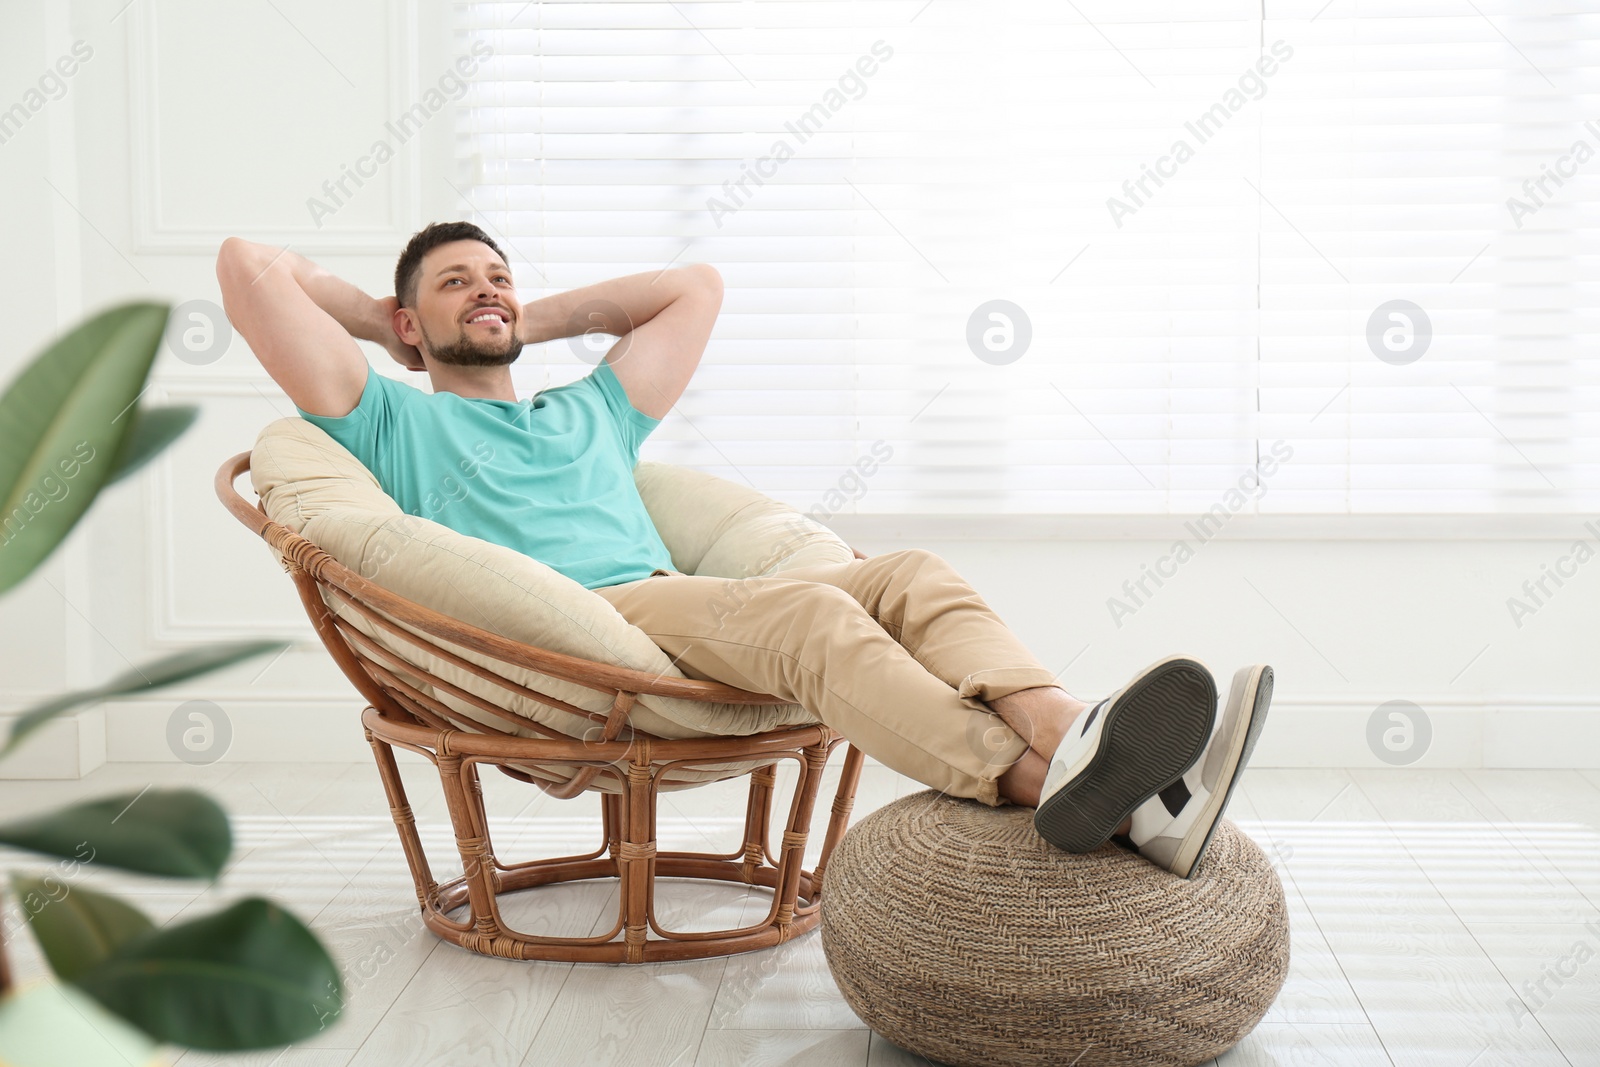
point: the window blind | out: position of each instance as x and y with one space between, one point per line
1067 258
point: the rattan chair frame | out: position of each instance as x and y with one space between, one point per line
400 716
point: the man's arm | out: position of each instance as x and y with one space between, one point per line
301 322
662 321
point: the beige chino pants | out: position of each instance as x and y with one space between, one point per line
896 652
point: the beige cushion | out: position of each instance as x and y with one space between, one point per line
310 483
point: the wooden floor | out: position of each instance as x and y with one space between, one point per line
1438 917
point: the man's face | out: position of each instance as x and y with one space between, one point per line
467 308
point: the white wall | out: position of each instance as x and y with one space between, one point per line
190 122
193 122
46 634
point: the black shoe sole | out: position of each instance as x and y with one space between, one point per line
1258 719
1152 734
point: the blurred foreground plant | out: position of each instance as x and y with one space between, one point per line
250 976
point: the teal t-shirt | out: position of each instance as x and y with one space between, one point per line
551 477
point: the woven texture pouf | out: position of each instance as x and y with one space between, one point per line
955 931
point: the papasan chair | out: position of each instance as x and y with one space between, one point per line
473 654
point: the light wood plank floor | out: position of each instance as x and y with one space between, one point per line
1445 918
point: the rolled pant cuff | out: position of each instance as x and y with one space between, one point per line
976 690
986 787
1000 682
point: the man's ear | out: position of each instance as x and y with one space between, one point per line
405 326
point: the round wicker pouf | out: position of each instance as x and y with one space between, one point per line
955 931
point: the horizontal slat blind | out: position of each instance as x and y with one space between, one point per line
1389 158
1198 207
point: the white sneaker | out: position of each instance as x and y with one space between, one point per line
1173 828
1124 750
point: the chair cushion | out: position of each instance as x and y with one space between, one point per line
310 483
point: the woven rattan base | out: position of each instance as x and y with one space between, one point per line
627 849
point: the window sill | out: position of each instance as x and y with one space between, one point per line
1241 527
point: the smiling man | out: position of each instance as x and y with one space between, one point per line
549 476
896 652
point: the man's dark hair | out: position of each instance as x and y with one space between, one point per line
431 236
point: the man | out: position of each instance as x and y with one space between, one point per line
897 652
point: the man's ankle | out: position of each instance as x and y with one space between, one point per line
1040 715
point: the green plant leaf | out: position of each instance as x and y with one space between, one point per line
77 927
153 430
63 426
174 832
251 976
178 667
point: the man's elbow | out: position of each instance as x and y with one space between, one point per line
249 258
233 256
706 277
232 248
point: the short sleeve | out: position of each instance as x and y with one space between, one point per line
359 430
633 424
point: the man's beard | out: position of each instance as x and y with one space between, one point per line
466 352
